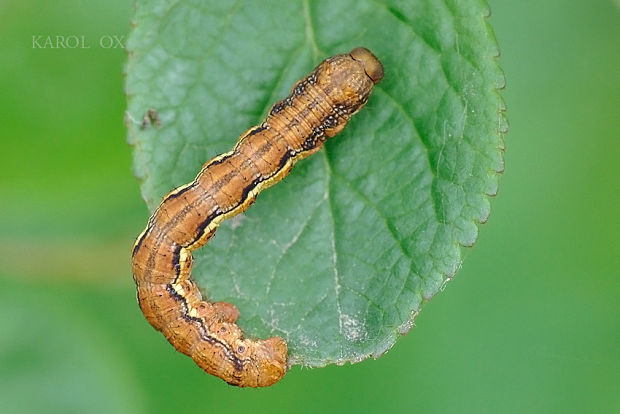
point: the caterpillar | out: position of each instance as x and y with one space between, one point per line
318 107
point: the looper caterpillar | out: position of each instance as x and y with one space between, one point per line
318 107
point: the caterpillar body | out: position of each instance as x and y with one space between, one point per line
318 107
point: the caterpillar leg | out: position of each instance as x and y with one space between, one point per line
226 312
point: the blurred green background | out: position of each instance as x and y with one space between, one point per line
530 324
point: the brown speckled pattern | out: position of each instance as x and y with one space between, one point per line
319 106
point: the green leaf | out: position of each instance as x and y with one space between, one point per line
339 257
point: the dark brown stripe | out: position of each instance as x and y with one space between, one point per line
204 224
203 329
180 192
138 242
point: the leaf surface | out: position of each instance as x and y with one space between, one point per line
339 257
